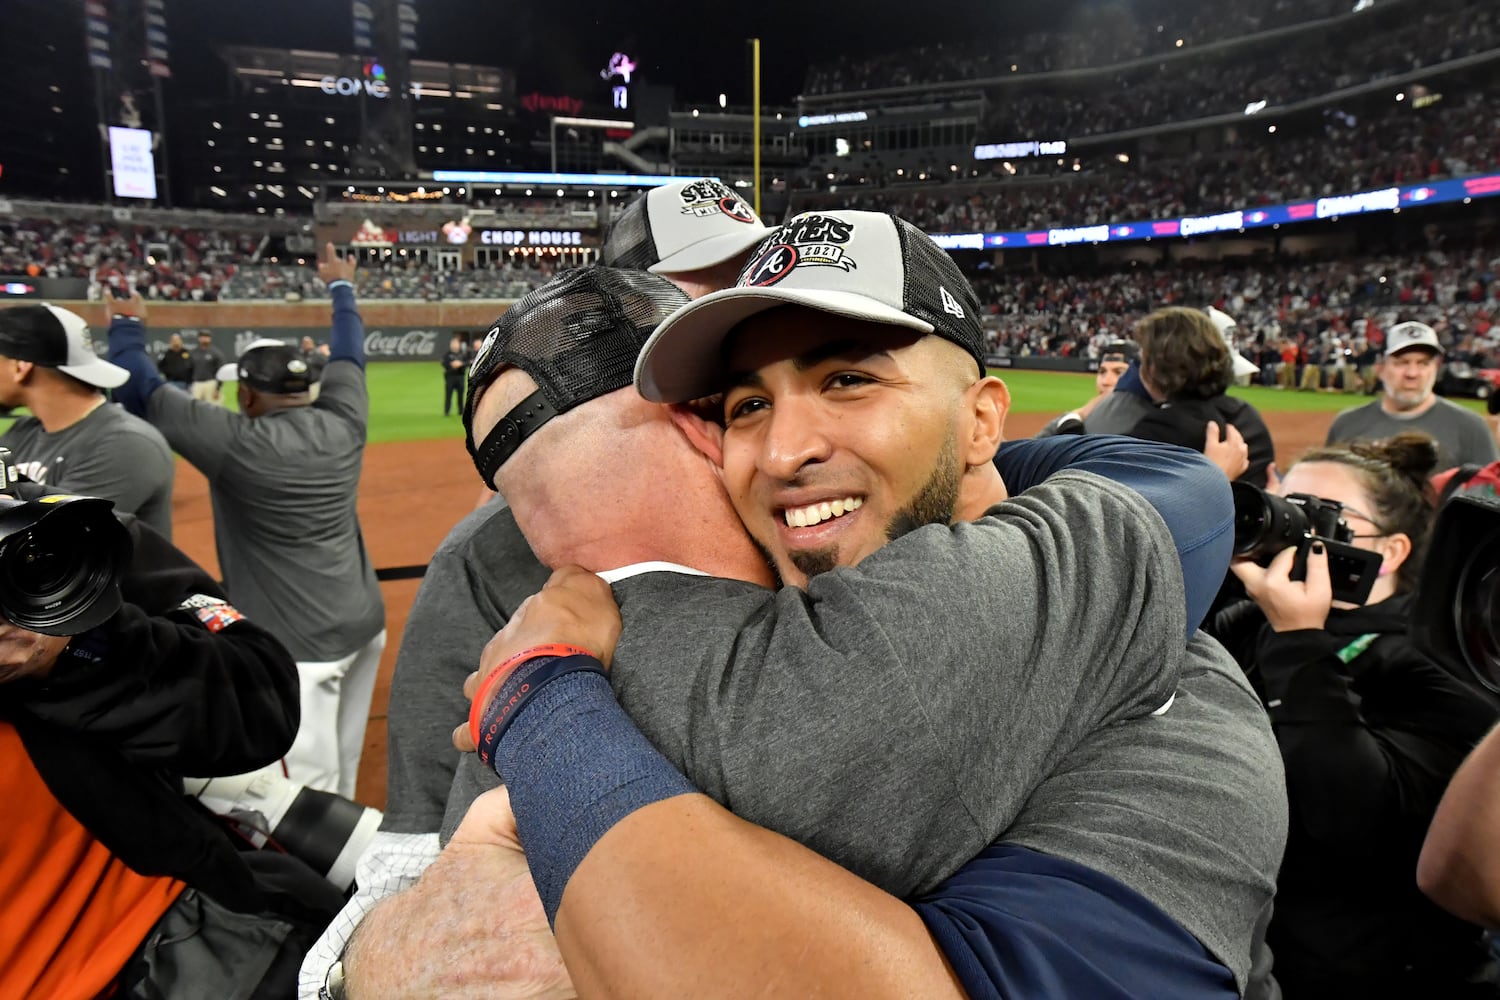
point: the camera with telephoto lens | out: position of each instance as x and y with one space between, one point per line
1455 618
1265 524
327 831
61 558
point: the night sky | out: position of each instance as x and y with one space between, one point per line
559 47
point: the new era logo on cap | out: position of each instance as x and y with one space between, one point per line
950 304
863 265
683 226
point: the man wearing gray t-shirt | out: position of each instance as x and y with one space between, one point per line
283 474
75 440
1409 372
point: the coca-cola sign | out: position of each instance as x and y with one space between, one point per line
407 344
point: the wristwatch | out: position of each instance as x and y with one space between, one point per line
333 982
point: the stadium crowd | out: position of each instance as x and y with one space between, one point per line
1459 135
412 279
194 266
1120 33
1208 87
1309 304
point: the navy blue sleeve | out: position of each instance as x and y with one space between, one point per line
1131 382
347 341
1188 491
127 348
1022 925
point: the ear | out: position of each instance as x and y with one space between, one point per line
23 370
702 433
988 401
1397 549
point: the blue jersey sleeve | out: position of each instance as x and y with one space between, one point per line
127 348
1023 925
1188 491
347 340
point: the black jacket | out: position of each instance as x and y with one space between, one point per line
1369 748
1182 422
152 695
176 365
452 374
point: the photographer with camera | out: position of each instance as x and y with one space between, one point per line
1370 728
133 670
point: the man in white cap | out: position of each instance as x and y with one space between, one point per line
1409 372
695 233
282 474
74 439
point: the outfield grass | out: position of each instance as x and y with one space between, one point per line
1058 392
406 399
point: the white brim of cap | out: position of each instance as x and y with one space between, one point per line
228 373
684 357
1243 365
712 251
99 373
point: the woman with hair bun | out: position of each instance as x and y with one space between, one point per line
1370 732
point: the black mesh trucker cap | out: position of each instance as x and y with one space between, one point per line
270 366
864 265
682 226
56 338
577 337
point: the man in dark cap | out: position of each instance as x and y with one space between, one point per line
74 439
282 473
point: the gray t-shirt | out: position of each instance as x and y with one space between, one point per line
109 454
903 714
1462 435
477 578
283 487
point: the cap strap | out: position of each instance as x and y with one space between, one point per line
516 426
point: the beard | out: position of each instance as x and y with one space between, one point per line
934 503
1404 400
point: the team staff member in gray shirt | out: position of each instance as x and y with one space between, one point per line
283 475
75 440
1409 372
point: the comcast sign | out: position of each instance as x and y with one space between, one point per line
372 83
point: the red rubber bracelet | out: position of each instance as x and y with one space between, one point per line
494 678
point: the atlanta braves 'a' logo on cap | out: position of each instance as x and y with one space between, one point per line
775 263
703 199
806 241
736 209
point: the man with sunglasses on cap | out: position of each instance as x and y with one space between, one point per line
74 440
752 762
283 473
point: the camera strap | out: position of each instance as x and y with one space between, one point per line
1358 646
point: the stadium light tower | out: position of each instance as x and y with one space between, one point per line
386 30
127 49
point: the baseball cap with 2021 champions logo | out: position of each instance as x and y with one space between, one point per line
863 265
682 226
